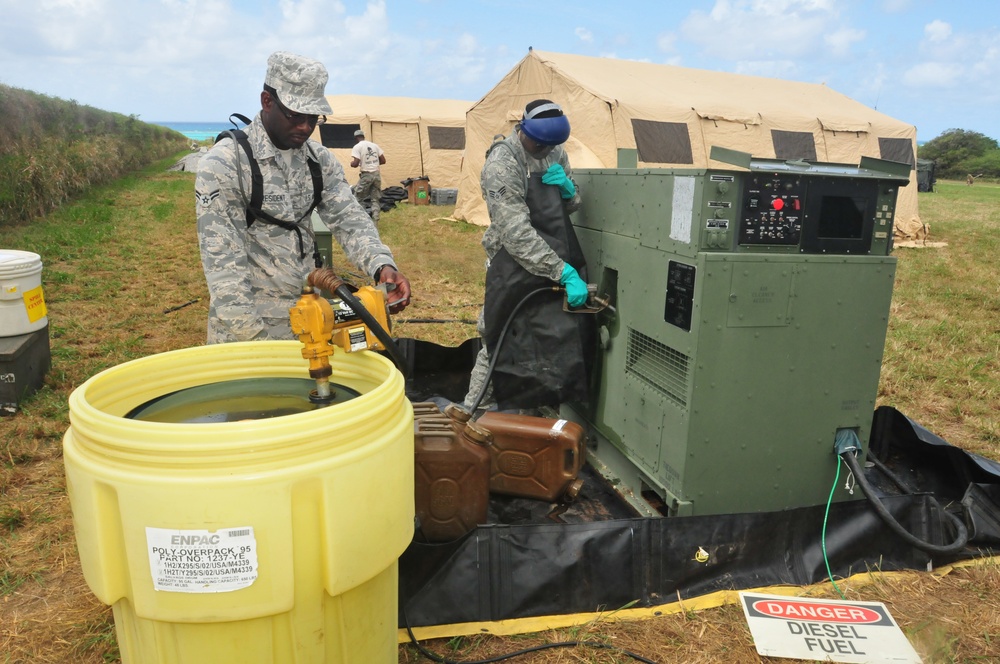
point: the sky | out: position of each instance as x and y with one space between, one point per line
932 63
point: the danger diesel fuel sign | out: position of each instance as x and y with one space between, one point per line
825 630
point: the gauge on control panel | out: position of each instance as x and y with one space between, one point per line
772 210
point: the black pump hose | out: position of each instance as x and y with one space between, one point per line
962 533
390 345
503 333
884 469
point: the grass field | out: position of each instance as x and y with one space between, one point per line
123 280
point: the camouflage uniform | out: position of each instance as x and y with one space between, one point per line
370 186
504 182
255 274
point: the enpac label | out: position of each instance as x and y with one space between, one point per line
202 561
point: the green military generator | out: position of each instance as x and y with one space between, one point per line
751 307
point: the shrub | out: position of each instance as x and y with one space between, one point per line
52 150
986 166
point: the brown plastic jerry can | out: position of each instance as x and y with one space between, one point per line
451 480
531 457
422 409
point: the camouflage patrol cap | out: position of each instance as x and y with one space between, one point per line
300 82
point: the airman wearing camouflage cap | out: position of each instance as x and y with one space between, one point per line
300 82
256 260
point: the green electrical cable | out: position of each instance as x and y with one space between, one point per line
826 515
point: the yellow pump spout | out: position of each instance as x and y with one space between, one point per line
321 324
312 320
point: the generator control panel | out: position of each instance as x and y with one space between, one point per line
805 207
772 209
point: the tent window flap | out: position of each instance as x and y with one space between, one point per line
662 142
845 126
897 149
793 145
338 135
446 138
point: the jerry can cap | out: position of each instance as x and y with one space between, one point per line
456 413
478 434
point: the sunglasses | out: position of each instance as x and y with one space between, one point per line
297 118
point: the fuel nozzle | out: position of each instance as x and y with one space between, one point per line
595 303
312 321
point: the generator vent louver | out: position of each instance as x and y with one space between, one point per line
661 367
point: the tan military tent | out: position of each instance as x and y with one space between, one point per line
420 137
673 116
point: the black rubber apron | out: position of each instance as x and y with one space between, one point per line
546 355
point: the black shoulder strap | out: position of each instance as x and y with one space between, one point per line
256 178
242 118
254 210
316 173
317 177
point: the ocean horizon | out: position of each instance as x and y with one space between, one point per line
197 131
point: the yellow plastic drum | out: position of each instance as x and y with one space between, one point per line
259 541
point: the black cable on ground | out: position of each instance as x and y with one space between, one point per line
962 533
545 646
436 320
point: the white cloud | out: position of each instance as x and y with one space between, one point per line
896 6
584 35
840 41
933 74
462 62
727 9
988 66
787 69
937 31
871 84
667 42
768 30
965 61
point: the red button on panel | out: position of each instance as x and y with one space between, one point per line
777 204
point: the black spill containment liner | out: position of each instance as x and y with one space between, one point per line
537 559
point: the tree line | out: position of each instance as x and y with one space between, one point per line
958 153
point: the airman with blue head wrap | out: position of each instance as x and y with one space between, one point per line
531 244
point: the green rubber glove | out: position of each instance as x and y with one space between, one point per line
576 288
557 176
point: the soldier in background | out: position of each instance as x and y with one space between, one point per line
256 260
545 356
368 157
